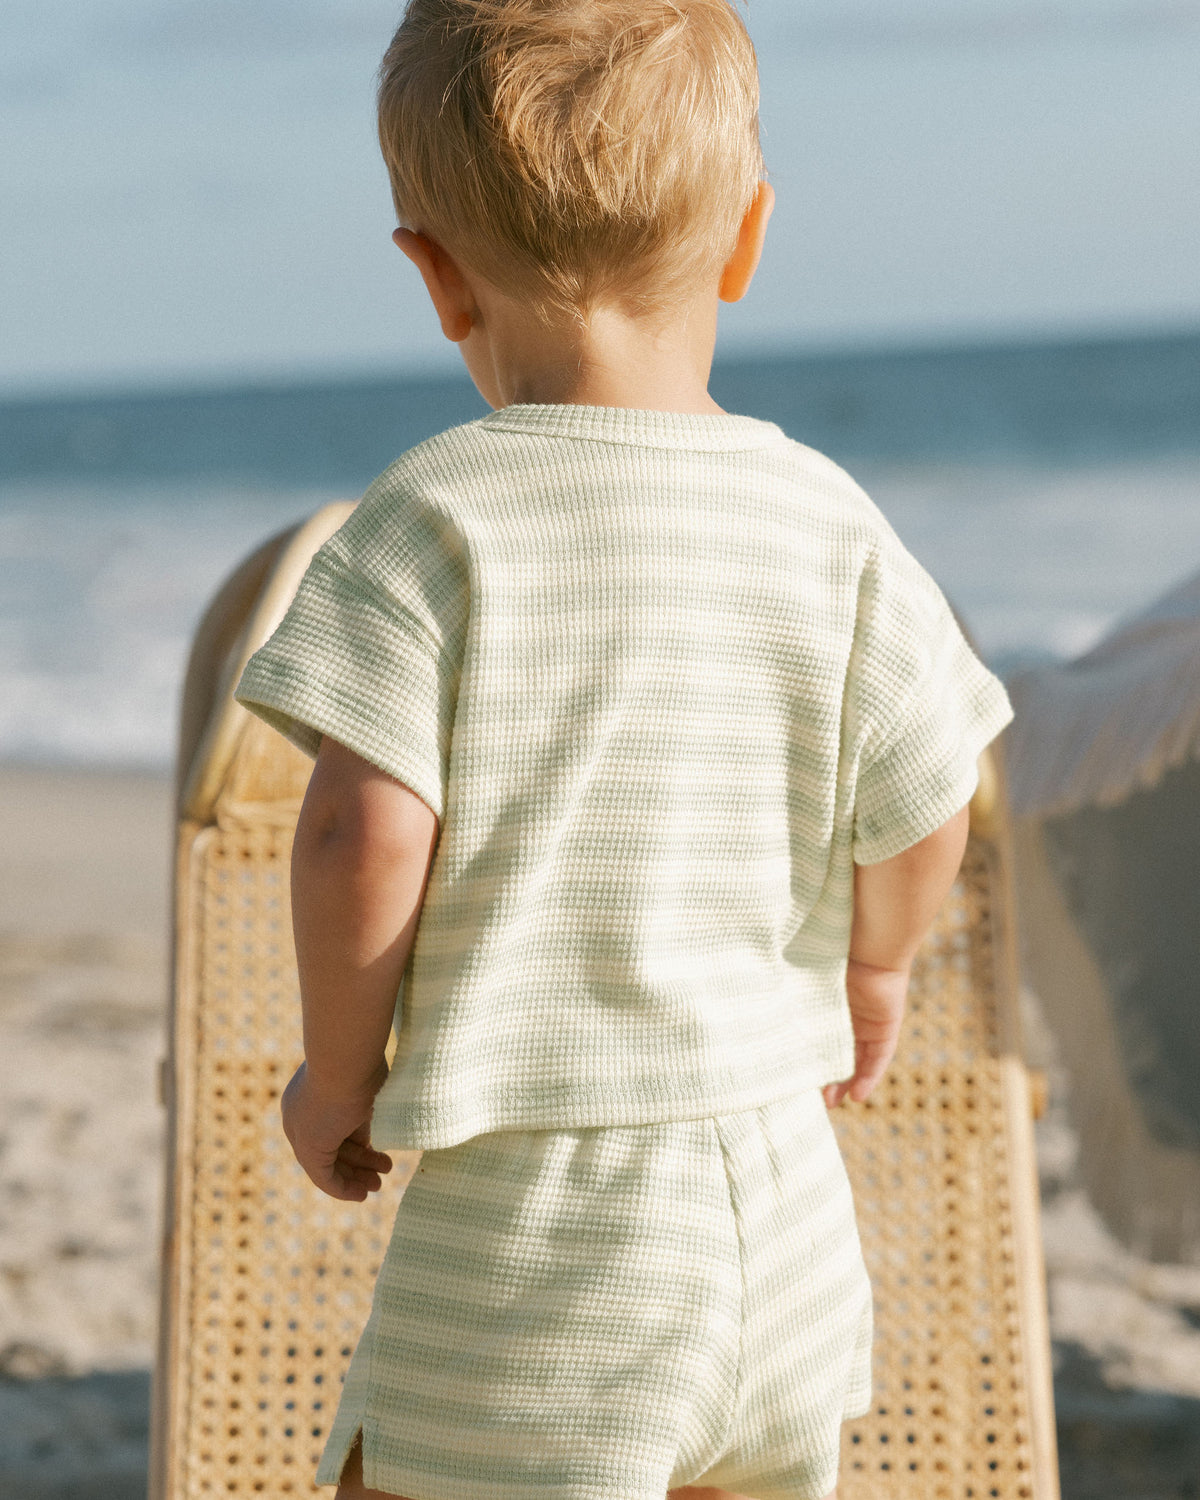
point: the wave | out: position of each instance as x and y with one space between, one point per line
101 585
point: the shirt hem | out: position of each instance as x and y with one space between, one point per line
424 1126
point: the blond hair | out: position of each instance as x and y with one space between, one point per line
574 151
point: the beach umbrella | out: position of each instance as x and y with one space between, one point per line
1104 763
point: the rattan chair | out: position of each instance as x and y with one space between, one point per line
266 1284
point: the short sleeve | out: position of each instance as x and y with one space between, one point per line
923 707
352 661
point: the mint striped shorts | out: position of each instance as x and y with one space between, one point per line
603 1314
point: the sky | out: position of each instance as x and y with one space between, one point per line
190 191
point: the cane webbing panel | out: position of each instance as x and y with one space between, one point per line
961 1399
276 1284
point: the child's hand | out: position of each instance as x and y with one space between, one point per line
331 1138
876 1008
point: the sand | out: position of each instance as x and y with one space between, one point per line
84 862
83 980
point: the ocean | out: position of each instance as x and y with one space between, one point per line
1051 488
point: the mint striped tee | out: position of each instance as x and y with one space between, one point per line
663 678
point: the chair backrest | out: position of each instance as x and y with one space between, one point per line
942 1162
266 1284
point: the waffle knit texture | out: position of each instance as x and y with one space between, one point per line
663 678
608 1313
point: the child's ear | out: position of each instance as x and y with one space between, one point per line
452 298
742 264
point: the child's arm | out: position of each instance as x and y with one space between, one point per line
895 901
364 844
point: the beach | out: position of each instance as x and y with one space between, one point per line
83 981
84 866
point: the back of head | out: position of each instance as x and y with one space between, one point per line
574 151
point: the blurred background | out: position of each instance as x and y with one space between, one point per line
980 294
983 259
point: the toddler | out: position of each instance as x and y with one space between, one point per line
642 753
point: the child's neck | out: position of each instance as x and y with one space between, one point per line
615 359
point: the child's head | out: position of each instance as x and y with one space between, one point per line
574 152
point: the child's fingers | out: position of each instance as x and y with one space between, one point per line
350 1175
870 1064
348 1186
346 1192
356 1154
360 1176
337 1178
334 1183
358 1166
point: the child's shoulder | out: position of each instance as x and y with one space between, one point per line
405 536
436 464
839 501
872 560
416 498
